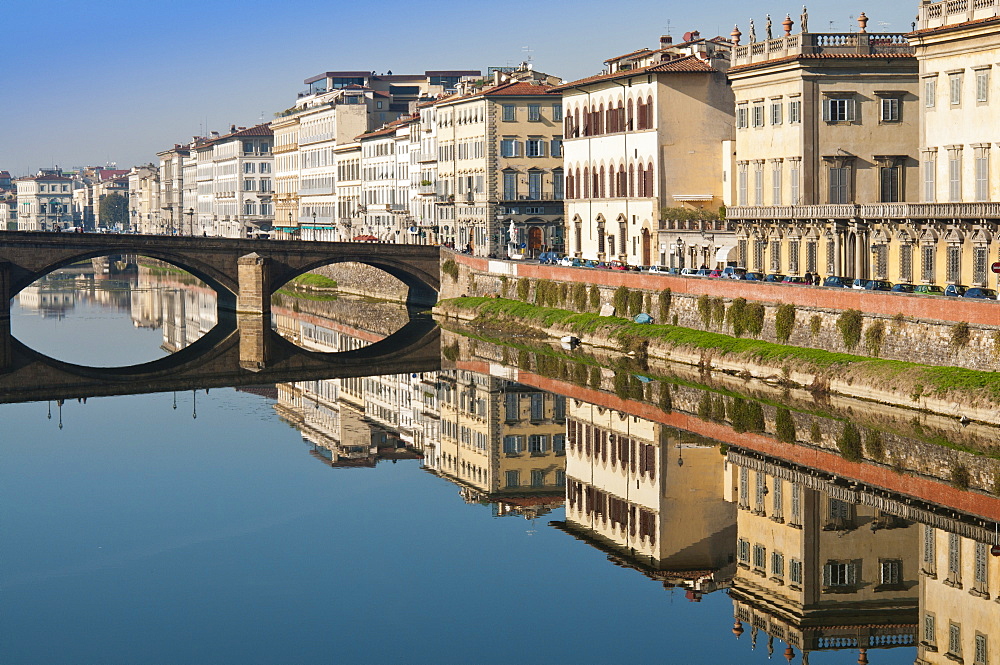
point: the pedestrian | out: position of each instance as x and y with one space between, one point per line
809 278
816 279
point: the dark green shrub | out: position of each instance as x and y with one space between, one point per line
735 316
523 289
960 335
666 296
666 400
620 301
718 312
595 298
874 336
784 322
673 320
815 433
784 425
503 285
849 443
960 477
647 303
705 406
815 324
849 324
874 447
595 378
450 268
705 310
580 297
450 351
719 408
634 303
754 318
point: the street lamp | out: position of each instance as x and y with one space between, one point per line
190 214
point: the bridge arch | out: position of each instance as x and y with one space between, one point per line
423 286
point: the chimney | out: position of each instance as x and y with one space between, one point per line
695 35
666 40
232 128
496 77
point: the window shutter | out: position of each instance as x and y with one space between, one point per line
850 110
826 574
852 572
827 106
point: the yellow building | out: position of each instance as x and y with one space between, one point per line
826 123
499 163
650 496
818 567
502 442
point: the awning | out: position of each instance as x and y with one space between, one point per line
722 251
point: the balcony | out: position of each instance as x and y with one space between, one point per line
956 11
534 196
841 43
870 211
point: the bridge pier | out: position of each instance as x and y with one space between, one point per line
253 311
5 338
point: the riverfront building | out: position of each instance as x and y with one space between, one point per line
643 137
44 201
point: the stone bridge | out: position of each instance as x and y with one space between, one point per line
242 349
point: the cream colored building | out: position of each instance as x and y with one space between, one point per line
650 495
499 162
144 197
44 202
824 122
642 137
819 567
350 209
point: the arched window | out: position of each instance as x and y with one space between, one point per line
568 126
600 119
601 181
628 117
631 180
586 183
620 117
576 122
610 122
586 121
576 193
569 184
622 192
649 180
649 112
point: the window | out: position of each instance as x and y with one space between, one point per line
841 513
929 630
510 148
249 185
557 113
955 175
776 113
265 184
557 148
889 109
558 185
509 113
839 178
955 89
889 183
249 208
744 487
248 167
560 478
980 656
537 478
758 115
775 256
759 557
511 407
795 571
512 444
558 443
930 92
954 557
930 166
509 186
534 185
537 406
777 564
758 185
743 551
955 640
247 147
812 256
761 491
839 110
534 112
742 184
264 167
981 572
776 184
982 174
840 574
741 117
906 262
890 572
927 263
983 86
794 112
512 478
535 148
793 268
793 181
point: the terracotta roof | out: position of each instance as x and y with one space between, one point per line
687 64
263 129
622 57
45 177
823 56
515 89
955 26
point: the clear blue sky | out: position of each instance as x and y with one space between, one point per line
117 80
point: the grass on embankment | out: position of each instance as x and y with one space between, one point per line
311 280
917 379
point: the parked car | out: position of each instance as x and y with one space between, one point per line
550 258
980 293
955 290
860 283
838 282
797 280
928 289
877 285
774 278
902 288
579 263
753 276
733 272
688 271
715 273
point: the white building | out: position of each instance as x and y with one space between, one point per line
44 202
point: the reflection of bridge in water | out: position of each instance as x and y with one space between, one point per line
242 349
222 358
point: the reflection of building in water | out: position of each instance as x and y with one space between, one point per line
959 592
502 442
50 303
820 565
185 311
649 495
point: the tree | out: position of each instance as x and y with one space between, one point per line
113 210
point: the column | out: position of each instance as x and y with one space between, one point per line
253 311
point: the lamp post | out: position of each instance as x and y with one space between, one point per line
190 214
289 222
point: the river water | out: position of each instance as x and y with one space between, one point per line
496 511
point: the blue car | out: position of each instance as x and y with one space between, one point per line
980 293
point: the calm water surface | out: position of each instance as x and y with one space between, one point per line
203 528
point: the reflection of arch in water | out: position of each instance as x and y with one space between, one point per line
422 286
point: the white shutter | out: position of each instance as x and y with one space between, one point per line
827 109
850 110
